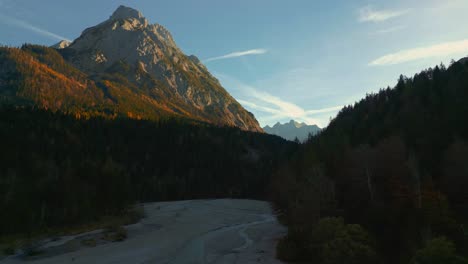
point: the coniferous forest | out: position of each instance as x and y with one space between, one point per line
386 181
59 171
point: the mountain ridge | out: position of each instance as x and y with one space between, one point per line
292 130
135 66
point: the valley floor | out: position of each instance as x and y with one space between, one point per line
197 231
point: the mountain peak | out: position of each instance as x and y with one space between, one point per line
147 55
296 124
62 44
124 12
292 130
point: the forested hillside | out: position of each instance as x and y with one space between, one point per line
60 171
386 181
39 76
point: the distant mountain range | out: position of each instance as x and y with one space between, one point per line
292 130
123 67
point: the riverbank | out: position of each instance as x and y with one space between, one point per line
198 231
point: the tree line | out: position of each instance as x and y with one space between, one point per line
386 181
60 171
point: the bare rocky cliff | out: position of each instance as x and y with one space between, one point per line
128 45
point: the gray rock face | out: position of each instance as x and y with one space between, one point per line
292 130
124 12
150 50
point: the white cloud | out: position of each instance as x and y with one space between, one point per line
389 30
258 107
238 54
369 14
26 25
324 110
438 50
274 108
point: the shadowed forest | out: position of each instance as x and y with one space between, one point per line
58 171
385 182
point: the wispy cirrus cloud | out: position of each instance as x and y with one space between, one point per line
324 110
369 14
274 108
388 30
238 54
23 24
432 51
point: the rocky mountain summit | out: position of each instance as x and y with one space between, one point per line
292 130
123 66
148 52
62 44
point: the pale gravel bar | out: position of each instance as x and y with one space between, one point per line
184 232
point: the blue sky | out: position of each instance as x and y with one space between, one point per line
282 60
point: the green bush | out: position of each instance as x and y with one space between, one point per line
134 214
115 234
334 242
331 241
120 234
438 251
